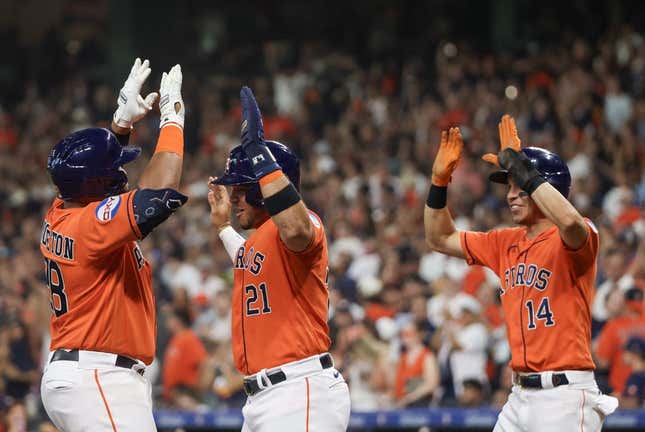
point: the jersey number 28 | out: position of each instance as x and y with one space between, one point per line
56 284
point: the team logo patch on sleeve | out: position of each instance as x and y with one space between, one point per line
107 209
314 220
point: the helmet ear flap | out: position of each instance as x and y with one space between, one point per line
254 195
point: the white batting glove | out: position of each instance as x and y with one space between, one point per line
171 105
133 107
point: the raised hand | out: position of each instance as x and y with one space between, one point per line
508 138
447 157
252 131
171 104
220 204
252 136
132 106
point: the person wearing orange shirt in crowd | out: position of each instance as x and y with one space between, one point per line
417 372
183 359
280 296
615 334
546 266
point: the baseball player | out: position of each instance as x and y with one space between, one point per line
103 323
546 267
280 296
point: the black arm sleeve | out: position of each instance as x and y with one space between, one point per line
153 206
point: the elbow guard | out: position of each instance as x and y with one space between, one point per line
153 206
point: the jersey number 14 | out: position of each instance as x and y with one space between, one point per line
543 313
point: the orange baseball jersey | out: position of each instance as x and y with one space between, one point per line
546 293
279 300
101 286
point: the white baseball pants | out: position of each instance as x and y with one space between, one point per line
93 394
312 399
578 406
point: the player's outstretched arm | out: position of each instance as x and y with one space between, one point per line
440 231
570 223
164 168
281 198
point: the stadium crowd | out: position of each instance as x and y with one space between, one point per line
410 327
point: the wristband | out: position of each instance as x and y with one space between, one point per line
270 177
232 241
520 167
171 139
533 184
281 200
437 197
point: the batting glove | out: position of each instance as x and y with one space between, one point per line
520 168
171 104
508 138
262 160
447 157
132 107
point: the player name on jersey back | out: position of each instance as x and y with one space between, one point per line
57 244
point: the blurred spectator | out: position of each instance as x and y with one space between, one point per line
219 376
503 388
610 344
618 105
20 370
613 266
466 338
182 361
472 394
17 418
634 355
214 322
417 372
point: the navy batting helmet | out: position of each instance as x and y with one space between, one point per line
87 164
549 164
239 171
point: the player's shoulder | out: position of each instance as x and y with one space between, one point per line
106 210
504 234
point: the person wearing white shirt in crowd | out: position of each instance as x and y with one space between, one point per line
468 340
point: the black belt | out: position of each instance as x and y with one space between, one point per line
535 380
251 386
121 361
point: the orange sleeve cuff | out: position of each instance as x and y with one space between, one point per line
274 175
171 139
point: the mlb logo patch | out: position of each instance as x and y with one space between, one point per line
107 209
